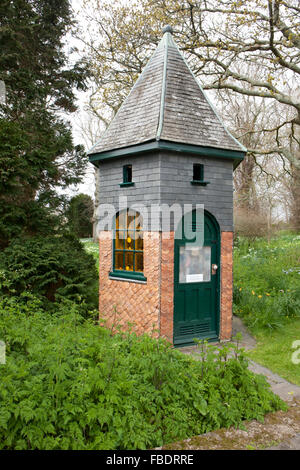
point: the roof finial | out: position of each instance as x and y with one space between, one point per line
167 29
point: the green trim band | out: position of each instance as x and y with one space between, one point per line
200 183
166 145
127 275
121 250
126 184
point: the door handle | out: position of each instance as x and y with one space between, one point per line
214 268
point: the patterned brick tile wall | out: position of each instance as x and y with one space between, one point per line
121 302
167 287
149 307
226 285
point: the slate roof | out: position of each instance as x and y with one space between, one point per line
166 103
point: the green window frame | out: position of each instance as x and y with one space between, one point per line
127 176
198 175
128 246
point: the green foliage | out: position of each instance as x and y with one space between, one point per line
33 61
69 384
37 153
54 268
266 281
92 248
79 214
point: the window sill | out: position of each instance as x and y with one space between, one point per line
122 185
200 183
127 276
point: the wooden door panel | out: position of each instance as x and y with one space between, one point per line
196 288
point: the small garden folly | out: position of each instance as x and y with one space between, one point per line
167 152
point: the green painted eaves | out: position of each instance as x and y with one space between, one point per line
157 145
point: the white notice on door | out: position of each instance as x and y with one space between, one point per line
194 278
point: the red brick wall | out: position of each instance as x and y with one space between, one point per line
226 285
167 287
150 306
134 302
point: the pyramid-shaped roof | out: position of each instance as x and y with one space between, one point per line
166 103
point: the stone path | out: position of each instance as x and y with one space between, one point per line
248 342
290 444
280 386
280 430
287 392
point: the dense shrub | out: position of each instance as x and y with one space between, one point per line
266 281
79 214
54 268
69 384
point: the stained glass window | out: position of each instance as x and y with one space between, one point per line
128 243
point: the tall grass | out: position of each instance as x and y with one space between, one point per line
267 281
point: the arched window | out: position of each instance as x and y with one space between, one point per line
128 253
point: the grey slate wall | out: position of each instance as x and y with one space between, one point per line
165 178
145 175
176 175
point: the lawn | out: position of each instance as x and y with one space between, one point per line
274 350
267 298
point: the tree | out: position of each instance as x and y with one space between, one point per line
91 128
79 215
221 38
247 48
37 154
246 116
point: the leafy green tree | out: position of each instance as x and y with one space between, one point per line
79 215
37 154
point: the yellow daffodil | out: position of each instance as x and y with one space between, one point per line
260 296
267 293
252 292
240 289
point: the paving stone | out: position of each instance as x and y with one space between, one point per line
291 444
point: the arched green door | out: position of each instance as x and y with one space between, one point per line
197 283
